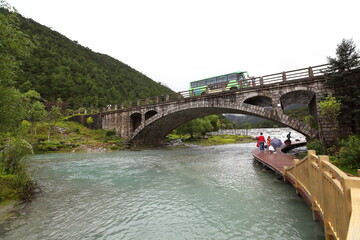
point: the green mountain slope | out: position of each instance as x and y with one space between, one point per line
61 68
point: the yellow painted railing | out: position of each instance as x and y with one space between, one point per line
334 196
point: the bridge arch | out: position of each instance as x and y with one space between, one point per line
155 129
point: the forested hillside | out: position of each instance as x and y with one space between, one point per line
61 68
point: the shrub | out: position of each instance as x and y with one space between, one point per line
15 182
110 133
13 154
349 154
315 145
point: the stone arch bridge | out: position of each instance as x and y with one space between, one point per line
148 121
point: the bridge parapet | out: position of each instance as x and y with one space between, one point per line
254 82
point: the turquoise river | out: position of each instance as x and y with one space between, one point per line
215 192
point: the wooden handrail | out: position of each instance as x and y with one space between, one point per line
334 195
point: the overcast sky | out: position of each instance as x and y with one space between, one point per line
179 41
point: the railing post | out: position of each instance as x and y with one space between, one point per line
167 98
322 158
309 161
296 161
138 103
156 99
223 87
261 81
285 169
326 221
179 96
311 73
284 76
207 90
147 101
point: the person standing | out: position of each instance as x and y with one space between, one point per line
261 142
288 136
288 141
268 142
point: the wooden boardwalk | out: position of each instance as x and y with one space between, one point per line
276 161
332 195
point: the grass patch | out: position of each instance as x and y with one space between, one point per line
220 140
66 136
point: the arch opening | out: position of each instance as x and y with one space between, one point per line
299 104
150 114
303 97
261 101
156 131
135 121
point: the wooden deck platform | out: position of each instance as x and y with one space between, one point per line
276 161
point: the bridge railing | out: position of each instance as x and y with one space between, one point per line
243 84
334 195
253 82
302 73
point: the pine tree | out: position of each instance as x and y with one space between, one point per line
343 76
347 57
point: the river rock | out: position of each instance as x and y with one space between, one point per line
176 142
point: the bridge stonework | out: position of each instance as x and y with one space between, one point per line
149 124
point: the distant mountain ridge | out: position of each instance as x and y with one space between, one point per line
61 68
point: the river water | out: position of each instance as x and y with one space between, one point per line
213 192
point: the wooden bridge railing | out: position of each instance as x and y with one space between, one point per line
334 196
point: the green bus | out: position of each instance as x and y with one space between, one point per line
228 81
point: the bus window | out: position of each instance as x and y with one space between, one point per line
232 77
210 81
221 79
241 76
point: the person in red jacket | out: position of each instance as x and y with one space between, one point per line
261 142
